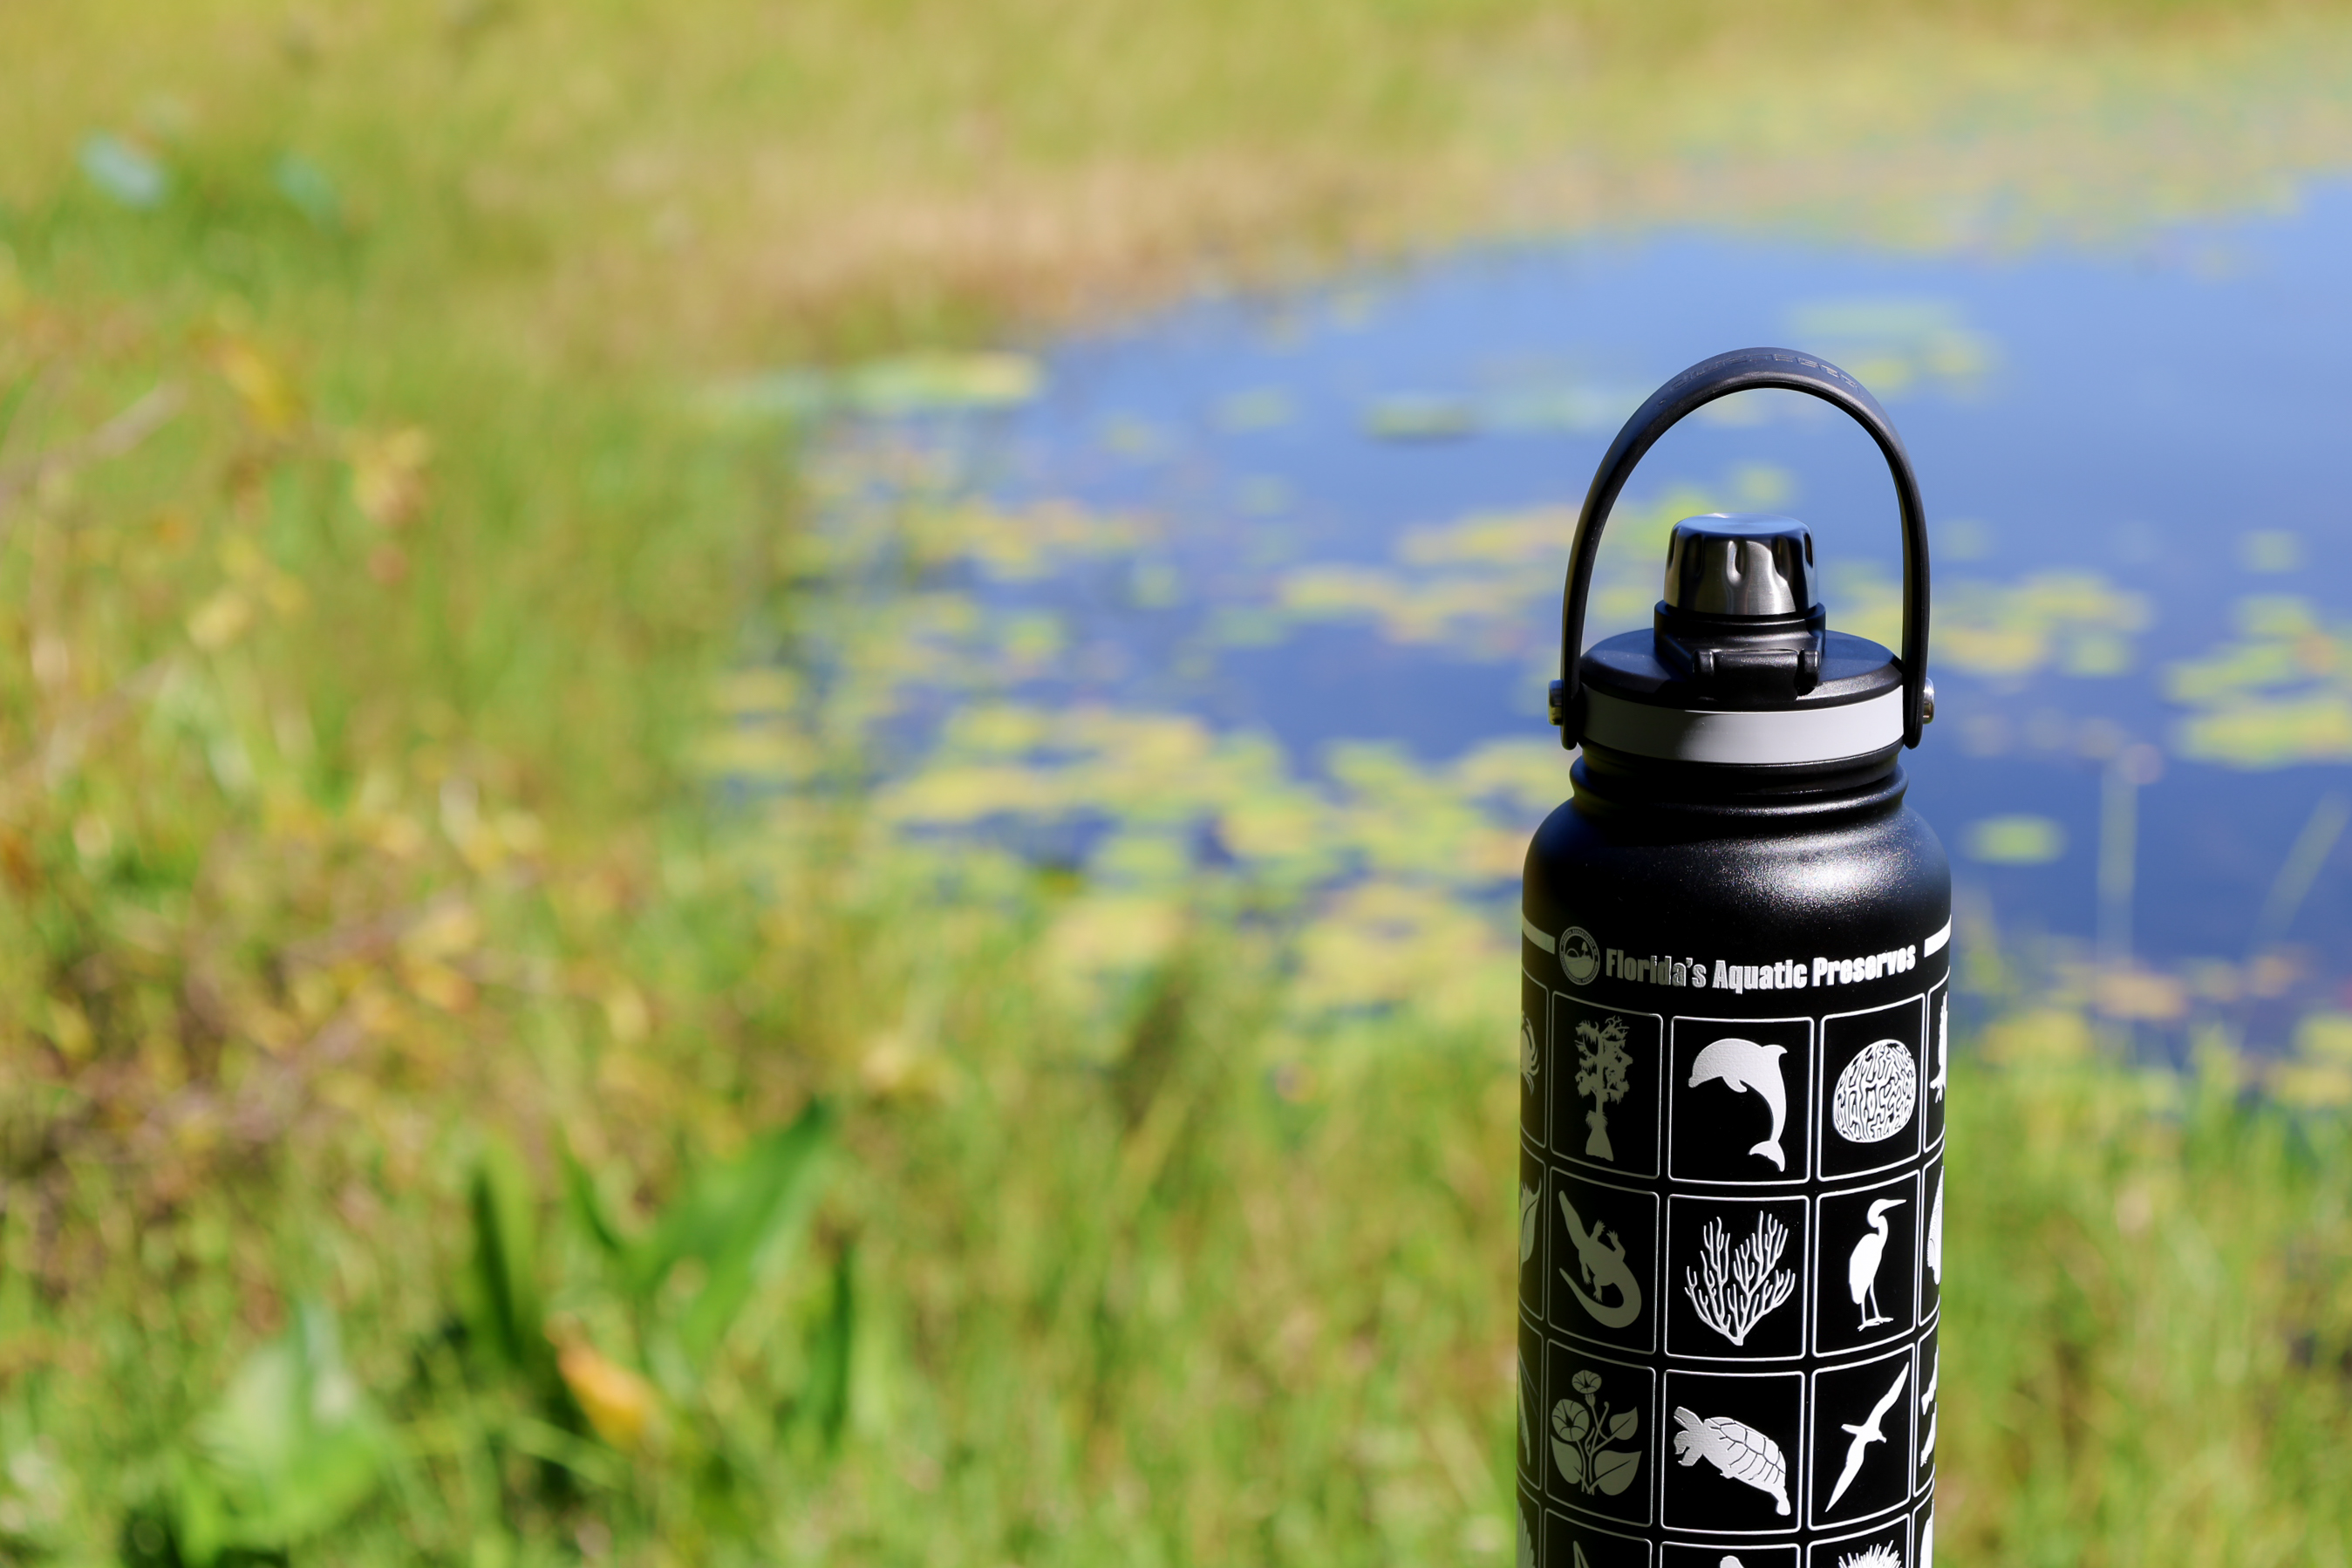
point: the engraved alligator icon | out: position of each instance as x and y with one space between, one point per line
1604 1267
1744 1065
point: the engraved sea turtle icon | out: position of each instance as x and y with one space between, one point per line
1743 1065
1737 1451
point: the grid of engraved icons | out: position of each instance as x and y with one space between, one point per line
1732 1260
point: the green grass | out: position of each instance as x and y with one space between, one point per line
404 1052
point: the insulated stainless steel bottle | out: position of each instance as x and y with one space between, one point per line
1737 940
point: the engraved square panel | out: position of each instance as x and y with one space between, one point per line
1531 1405
1535 1034
1736 1268
1689 1554
1935 1063
1866 1265
1601 1433
1887 1546
1575 1543
1863 1437
1738 1096
1603 1278
1925 1409
1536 1231
1931 1250
1734 1452
1869 1099
1605 1104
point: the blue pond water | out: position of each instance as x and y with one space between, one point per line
1338 534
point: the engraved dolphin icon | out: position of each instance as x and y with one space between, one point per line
1744 1065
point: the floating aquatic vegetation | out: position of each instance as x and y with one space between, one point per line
1575 408
2278 694
1487 584
1534 536
1894 345
1385 942
1111 931
1138 440
2272 734
2015 840
1420 416
2269 550
1258 408
1022 544
2078 620
2319 1075
1446 609
896 387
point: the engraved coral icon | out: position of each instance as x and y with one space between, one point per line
1878 1555
1734 1291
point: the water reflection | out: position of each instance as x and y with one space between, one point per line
1273 584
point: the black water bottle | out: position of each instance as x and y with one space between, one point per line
1736 941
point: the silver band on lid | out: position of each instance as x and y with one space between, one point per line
1786 735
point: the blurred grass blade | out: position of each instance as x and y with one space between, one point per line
824 1404
505 1311
737 1221
587 1205
290 1450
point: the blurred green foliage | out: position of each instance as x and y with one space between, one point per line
437 1130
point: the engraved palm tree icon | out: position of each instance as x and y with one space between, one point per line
1861 1269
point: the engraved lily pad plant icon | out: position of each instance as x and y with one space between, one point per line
1578 1433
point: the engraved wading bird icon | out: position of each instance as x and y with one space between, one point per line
1861 1269
1863 1435
1744 1065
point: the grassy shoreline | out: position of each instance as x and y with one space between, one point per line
689 192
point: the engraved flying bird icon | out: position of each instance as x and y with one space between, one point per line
1863 1435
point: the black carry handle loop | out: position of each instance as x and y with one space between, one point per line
1745 370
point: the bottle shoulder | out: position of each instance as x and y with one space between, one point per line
1852 872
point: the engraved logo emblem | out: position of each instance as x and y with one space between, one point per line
1579 955
1875 1094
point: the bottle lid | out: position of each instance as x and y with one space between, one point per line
1739 665
1741 564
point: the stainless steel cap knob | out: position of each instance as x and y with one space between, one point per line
1741 563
